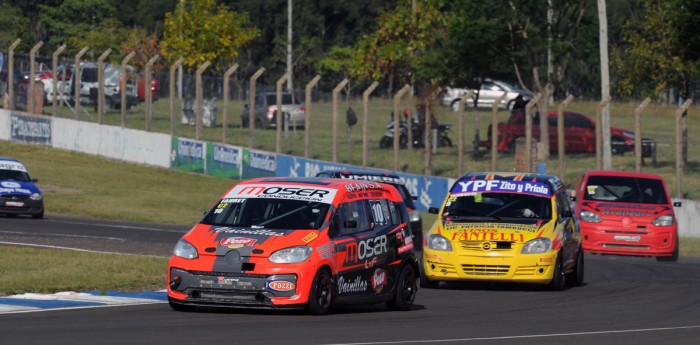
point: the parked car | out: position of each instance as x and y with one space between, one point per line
579 131
488 92
155 87
627 213
505 227
266 110
276 243
19 193
394 180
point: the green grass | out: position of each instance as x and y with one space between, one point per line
26 269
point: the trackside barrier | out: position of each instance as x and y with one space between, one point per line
217 159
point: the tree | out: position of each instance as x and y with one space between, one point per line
200 31
73 18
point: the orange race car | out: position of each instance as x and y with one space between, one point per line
298 243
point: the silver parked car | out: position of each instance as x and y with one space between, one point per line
489 91
266 110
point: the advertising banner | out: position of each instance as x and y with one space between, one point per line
187 155
28 129
258 164
224 160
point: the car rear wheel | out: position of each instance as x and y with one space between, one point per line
575 278
558 278
178 306
406 289
321 294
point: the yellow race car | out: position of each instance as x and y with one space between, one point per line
504 227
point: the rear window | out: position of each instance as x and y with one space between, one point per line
89 75
286 99
625 189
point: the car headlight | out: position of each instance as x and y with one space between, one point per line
666 220
588 216
291 255
439 242
36 196
414 215
185 250
537 246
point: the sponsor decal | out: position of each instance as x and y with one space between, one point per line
487 235
237 242
15 191
225 154
355 252
433 257
30 129
317 194
226 281
262 161
310 237
7 184
354 285
375 178
492 226
405 248
280 285
480 186
546 260
379 280
10 165
259 232
190 149
627 238
325 251
361 186
14 203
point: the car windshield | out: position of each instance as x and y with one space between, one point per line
498 206
268 213
625 189
286 99
14 175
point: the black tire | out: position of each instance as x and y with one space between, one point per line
424 281
575 278
178 306
406 289
38 215
672 258
385 142
321 294
558 278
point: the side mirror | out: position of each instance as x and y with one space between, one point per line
677 204
35 180
433 210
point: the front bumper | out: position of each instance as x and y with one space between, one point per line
613 239
489 266
24 205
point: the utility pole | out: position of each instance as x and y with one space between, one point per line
604 84
290 84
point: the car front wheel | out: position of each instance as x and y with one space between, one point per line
558 278
321 294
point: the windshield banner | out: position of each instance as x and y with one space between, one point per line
501 186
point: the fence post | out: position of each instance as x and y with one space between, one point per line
430 136
599 133
561 152
198 99
679 146
125 77
251 106
171 96
397 123
336 91
494 136
528 130
365 120
76 80
224 124
54 80
279 117
32 71
638 134
101 85
307 119
148 97
11 73
460 130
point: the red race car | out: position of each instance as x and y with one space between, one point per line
627 213
579 132
309 243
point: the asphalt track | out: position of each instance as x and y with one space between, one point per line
625 300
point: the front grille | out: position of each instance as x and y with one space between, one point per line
15 197
486 270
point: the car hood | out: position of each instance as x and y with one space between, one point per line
18 188
517 232
219 240
625 212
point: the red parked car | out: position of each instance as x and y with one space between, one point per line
627 213
579 132
142 90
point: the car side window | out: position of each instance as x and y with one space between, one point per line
353 218
382 212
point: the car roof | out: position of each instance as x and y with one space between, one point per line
8 159
552 180
623 174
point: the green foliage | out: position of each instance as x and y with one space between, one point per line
14 26
74 18
200 31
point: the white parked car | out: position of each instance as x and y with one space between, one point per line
488 93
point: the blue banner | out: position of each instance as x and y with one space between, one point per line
35 130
